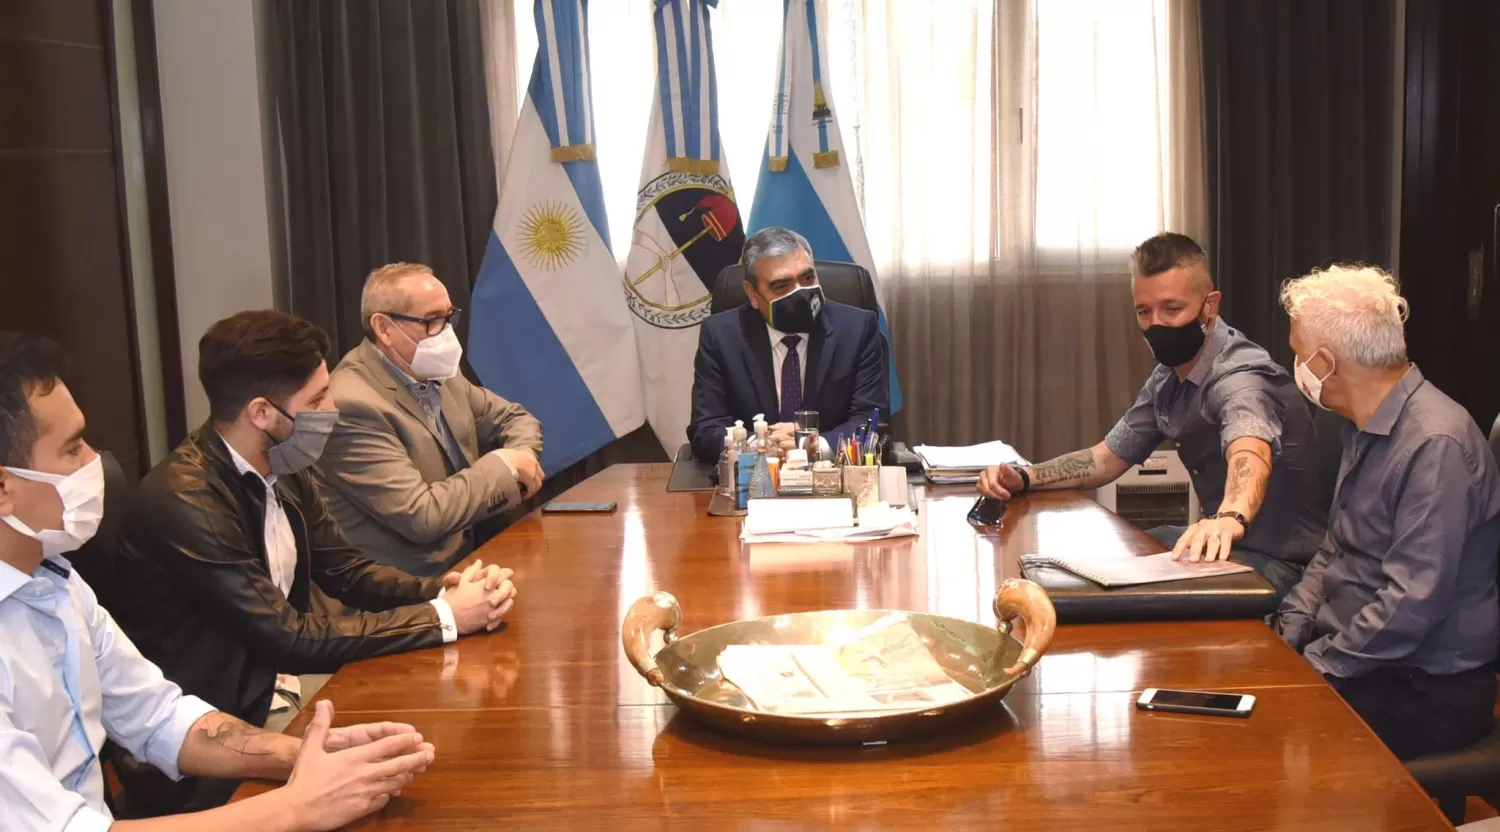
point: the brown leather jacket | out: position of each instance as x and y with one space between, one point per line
197 598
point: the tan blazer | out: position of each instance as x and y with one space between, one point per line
385 475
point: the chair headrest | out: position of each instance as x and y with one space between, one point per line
846 283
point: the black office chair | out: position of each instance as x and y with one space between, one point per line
95 560
1330 430
1452 777
845 283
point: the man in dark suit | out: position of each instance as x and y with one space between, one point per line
789 349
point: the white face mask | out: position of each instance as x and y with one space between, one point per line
1310 385
437 356
82 494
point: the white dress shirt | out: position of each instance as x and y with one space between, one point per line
778 355
68 678
281 557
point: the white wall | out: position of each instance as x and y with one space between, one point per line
212 105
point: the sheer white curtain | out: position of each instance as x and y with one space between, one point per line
1014 152
1008 154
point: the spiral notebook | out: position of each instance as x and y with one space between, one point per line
1132 571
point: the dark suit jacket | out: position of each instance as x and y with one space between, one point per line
847 375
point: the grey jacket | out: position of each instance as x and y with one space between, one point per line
387 480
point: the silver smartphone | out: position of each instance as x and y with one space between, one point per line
1196 702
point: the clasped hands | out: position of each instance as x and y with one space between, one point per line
480 596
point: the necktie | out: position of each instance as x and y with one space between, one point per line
431 398
791 379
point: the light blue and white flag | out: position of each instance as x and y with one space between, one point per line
687 227
805 184
550 329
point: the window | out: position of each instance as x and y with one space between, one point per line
936 134
1096 135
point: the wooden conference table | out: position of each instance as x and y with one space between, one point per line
545 725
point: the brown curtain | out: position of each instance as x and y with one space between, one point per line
384 130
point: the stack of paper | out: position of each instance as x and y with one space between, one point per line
881 668
955 464
784 521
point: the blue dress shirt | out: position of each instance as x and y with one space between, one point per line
1406 577
68 678
1235 390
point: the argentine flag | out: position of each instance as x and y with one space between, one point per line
550 329
805 183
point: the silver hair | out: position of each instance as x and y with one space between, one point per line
382 292
1354 310
771 243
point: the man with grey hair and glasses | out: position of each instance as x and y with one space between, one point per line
1398 610
420 454
788 350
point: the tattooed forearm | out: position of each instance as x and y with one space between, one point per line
220 745
1069 468
237 736
1249 475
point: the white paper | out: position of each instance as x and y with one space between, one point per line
777 515
968 457
1150 569
881 668
877 522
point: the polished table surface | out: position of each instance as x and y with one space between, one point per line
545 724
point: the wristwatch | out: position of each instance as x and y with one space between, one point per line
1240 518
1025 481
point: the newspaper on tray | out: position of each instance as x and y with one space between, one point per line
881 668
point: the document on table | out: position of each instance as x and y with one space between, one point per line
968 457
1133 571
778 515
877 522
881 668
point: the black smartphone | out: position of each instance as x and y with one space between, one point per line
1196 702
987 512
559 507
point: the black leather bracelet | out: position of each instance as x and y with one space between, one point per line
1025 482
1240 518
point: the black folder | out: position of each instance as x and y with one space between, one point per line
689 474
1081 601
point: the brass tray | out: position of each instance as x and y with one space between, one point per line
987 662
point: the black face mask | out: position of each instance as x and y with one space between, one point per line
1175 346
797 311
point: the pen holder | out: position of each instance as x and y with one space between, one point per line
826 482
862 484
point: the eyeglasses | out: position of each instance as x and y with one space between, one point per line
434 325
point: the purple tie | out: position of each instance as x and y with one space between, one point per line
791 379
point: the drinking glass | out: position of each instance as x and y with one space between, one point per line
807 432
